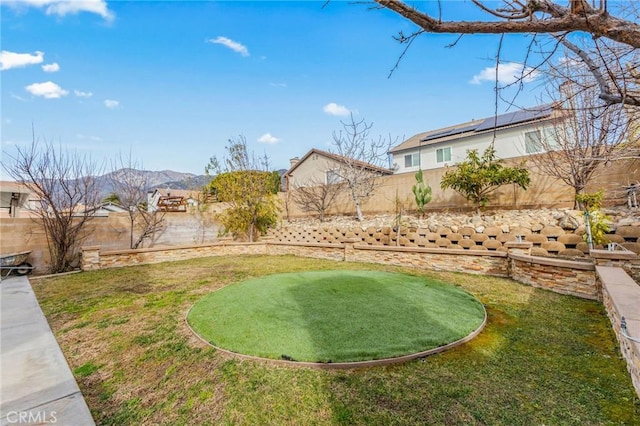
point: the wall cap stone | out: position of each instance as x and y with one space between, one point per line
163 248
432 250
322 245
560 263
613 255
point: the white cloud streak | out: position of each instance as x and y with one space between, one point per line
111 104
54 67
231 44
268 139
508 73
333 108
47 90
81 94
10 60
65 7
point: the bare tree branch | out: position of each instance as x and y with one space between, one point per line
556 19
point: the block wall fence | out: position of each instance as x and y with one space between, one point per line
583 278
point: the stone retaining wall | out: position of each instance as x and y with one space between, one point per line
621 298
549 240
560 276
576 278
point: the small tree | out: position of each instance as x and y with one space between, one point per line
361 160
245 183
421 192
64 183
595 220
316 196
478 176
130 185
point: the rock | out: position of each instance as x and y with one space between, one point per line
505 229
479 229
568 222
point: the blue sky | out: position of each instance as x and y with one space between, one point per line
172 81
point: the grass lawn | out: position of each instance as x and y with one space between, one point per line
335 316
543 358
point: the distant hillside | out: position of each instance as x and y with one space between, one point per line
163 179
154 179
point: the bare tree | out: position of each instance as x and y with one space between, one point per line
64 183
316 196
361 160
610 54
587 135
130 184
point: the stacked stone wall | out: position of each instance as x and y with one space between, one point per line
560 276
621 298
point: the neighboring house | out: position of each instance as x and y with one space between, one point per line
516 134
171 200
16 200
319 167
103 210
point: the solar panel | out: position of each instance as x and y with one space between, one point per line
513 118
450 132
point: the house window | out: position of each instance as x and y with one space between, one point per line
332 176
411 160
443 154
532 142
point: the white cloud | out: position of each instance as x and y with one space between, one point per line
508 73
111 104
48 90
10 60
231 44
65 7
19 98
54 67
268 139
333 108
278 84
81 94
89 137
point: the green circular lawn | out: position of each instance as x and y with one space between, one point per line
335 316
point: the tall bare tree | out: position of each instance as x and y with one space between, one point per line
130 184
316 196
361 160
63 182
587 135
610 50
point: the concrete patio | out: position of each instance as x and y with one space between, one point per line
36 383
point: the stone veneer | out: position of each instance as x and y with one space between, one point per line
621 298
561 276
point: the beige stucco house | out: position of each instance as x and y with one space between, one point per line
319 167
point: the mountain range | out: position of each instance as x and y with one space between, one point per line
153 179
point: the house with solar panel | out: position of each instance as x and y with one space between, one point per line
514 134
